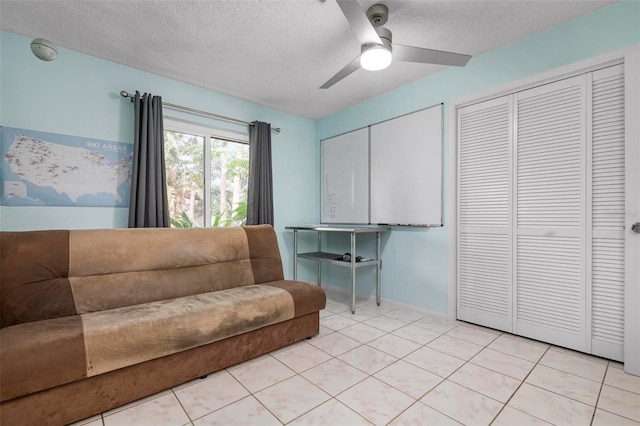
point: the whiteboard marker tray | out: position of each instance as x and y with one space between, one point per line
331 258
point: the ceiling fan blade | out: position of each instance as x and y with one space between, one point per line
428 56
344 72
359 22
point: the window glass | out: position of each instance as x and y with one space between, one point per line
184 158
229 182
197 159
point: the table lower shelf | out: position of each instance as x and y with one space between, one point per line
320 256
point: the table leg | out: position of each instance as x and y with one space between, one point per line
378 266
295 254
353 272
319 263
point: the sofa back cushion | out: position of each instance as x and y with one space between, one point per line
49 274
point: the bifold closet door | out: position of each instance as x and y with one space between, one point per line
485 141
550 214
608 212
541 210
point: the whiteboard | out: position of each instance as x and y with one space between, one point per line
406 169
344 178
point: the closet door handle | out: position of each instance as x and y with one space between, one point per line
636 227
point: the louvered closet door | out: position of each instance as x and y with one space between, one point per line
550 213
608 207
485 133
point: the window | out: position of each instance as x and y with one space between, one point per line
207 176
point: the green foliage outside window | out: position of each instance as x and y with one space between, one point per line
229 174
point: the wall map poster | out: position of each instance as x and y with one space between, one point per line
49 169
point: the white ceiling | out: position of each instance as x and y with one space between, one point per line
278 52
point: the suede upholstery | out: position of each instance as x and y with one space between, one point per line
86 304
35 276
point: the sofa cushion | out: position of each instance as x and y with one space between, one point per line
50 274
103 292
35 270
264 253
98 342
307 298
133 334
40 355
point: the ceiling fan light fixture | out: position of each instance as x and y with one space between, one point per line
375 57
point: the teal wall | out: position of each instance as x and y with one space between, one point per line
78 94
415 269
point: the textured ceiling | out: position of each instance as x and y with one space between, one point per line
278 52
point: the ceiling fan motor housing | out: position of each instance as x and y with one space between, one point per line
385 37
384 34
378 14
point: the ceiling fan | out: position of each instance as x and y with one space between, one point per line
376 47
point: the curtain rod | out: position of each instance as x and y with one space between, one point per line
126 94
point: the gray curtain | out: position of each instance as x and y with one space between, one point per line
149 206
260 194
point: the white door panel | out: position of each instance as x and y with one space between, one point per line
484 224
550 200
607 212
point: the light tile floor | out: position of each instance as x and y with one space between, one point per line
392 365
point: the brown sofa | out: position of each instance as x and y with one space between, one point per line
94 319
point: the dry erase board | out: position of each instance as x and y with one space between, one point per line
386 173
406 169
344 178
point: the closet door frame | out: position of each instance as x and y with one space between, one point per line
631 59
632 200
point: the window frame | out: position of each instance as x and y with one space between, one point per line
208 133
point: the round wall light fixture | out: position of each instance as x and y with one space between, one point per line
44 49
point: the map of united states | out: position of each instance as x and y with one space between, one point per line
69 170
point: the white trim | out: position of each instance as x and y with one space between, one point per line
631 57
208 133
197 130
452 213
393 304
632 200
207 181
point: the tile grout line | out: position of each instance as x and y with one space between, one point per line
309 410
604 377
571 374
457 369
518 388
136 403
245 388
335 357
550 348
182 406
537 363
302 377
415 400
251 394
440 334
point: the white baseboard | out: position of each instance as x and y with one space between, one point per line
390 303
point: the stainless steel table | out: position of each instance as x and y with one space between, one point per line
331 258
